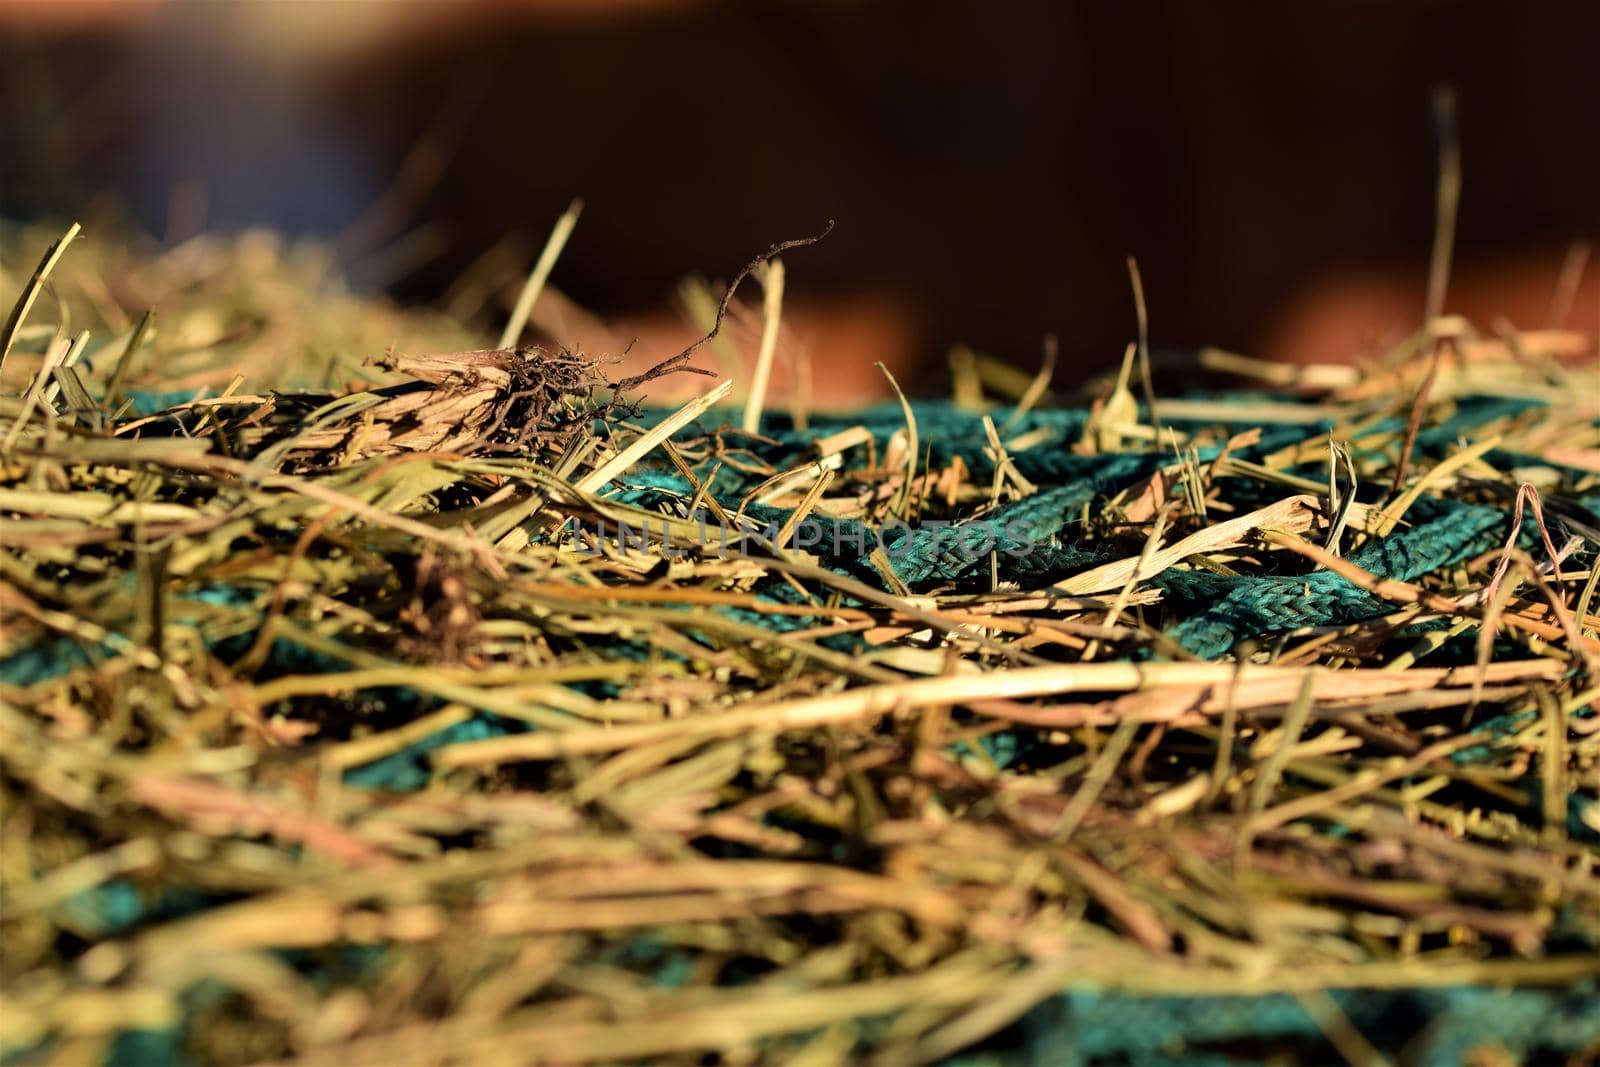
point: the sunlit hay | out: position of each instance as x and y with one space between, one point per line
443 707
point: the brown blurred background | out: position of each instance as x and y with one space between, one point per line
989 166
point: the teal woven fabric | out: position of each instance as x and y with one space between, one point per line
1435 1027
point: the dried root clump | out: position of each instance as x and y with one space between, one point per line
507 402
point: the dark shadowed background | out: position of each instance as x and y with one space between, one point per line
989 166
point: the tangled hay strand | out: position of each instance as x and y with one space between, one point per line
474 716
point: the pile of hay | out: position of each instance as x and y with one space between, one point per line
475 715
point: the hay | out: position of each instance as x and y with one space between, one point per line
467 713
